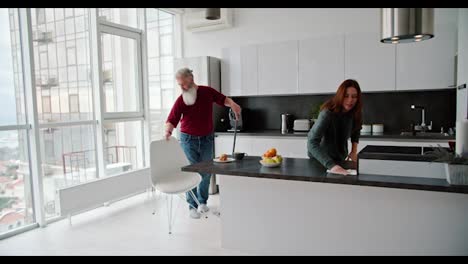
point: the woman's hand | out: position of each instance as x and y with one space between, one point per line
352 156
339 170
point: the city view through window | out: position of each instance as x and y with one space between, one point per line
66 104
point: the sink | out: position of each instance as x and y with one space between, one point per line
426 134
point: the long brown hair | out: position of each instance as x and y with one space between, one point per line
335 104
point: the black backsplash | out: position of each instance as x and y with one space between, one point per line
389 108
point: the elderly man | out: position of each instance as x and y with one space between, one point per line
195 106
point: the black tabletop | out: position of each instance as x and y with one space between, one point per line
309 170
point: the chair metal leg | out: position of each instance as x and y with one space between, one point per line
169 213
194 197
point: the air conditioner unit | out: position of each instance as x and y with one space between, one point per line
197 22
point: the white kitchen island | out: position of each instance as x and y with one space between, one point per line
299 209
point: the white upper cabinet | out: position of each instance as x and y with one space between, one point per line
231 72
428 64
239 71
370 62
249 73
277 68
321 63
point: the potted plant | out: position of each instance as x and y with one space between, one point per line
456 166
314 112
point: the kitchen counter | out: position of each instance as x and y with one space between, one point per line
390 136
306 170
396 153
299 209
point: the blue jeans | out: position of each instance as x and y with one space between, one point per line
198 149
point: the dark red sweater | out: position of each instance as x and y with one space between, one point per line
197 119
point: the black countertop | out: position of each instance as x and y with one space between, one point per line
308 170
396 153
395 136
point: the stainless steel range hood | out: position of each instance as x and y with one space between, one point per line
404 25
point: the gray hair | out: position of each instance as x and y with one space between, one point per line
184 72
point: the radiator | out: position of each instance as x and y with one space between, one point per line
90 195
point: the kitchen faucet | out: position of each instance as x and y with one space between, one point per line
422 127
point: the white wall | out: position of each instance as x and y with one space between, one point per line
263 25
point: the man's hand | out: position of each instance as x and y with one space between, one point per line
168 131
339 170
235 107
237 110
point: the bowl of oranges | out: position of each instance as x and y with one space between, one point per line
271 158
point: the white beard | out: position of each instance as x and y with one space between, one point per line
190 95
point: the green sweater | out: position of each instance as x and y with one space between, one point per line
327 141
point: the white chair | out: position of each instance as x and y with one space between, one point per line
166 160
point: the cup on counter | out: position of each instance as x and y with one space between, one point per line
239 155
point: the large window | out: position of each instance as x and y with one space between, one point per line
56 141
65 99
15 180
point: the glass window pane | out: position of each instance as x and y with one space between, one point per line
52 52
11 85
15 181
74 103
57 68
79 11
166 45
167 65
153 66
160 68
49 12
123 149
153 43
71 56
62 55
68 12
80 23
70 26
166 29
124 16
72 74
46 107
60 28
58 13
68 158
40 15
122 87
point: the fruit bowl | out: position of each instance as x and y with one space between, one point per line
271 158
270 165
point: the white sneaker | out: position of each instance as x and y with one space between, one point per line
194 214
203 208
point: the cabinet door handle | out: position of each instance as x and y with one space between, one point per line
463 86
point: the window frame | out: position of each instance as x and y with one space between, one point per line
113 29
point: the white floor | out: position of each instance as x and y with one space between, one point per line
126 227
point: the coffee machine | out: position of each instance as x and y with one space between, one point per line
232 121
